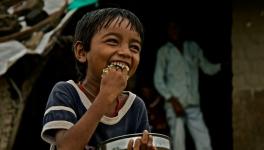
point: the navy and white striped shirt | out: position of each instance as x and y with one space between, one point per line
67 104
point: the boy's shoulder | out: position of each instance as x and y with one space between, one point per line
66 86
64 83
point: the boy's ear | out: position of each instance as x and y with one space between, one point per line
79 52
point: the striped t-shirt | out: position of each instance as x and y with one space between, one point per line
67 104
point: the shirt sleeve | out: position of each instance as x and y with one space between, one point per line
206 66
159 74
59 113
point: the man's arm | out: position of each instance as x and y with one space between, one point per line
159 75
206 66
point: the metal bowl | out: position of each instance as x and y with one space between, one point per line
161 141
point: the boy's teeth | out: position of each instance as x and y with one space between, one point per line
127 68
121 65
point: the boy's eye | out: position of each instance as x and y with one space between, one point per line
135 48
112 41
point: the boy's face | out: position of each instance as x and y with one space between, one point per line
116 43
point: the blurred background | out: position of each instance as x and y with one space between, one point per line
35 53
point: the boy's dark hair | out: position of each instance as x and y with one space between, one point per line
92 22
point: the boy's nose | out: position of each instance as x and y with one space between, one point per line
124 51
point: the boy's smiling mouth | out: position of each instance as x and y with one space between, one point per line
120 65
116 65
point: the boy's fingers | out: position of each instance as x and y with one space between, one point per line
137 144
145 135
151 144
150 141
130 144
125 72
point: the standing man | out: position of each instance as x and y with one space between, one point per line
176 79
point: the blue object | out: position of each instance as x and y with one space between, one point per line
75 4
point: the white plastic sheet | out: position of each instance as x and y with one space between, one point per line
11 51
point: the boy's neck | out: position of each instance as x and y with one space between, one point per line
91 87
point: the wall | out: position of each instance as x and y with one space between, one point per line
248 75
7 114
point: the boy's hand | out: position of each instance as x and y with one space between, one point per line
114 81
143 143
